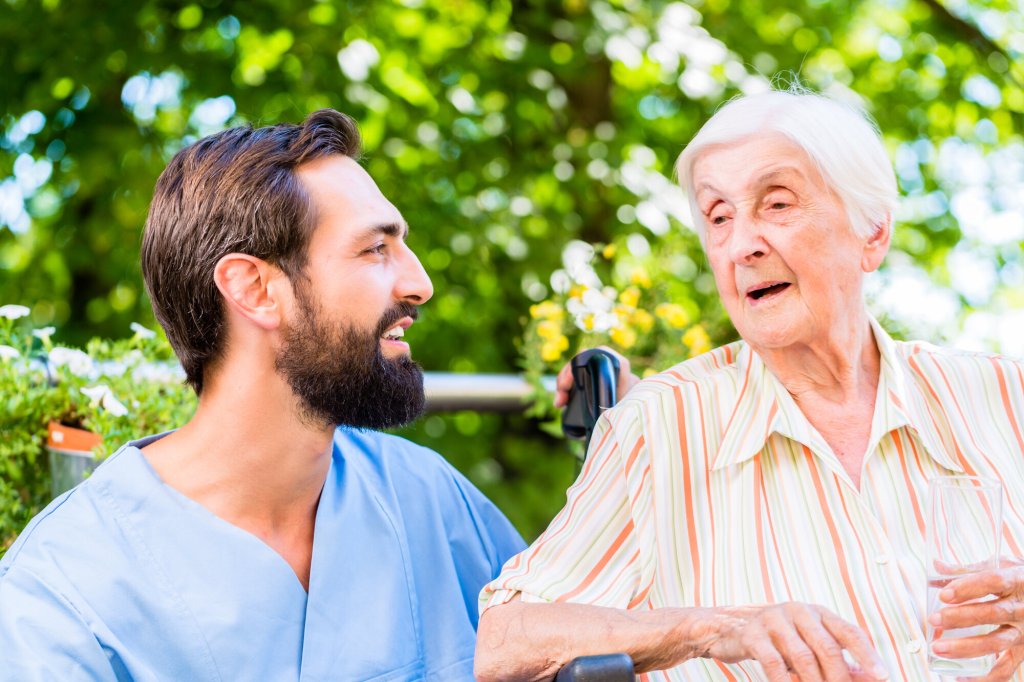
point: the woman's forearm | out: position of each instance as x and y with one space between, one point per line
521 641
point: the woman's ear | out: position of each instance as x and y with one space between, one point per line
251 288
877 245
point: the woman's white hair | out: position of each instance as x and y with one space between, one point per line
840 140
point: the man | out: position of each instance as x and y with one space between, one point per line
758 512
259 541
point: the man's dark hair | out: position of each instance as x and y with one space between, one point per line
232 192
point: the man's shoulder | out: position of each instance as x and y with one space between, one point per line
385 459
77 528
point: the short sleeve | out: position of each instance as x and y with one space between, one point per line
481 544
590 551
43 637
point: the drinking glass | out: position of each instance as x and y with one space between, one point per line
965 520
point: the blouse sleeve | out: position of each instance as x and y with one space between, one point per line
591 552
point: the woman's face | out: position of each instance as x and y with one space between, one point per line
787 265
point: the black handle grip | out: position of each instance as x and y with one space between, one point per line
595 373
605 668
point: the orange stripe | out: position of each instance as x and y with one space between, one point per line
691 531
759 531
553 532
836 541
739 399
874 596
993 470
725 670
897 439
596 570
633 455
639 598
710 515
1004 393
612 584
775 543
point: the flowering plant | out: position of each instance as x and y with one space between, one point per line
119 390
656 305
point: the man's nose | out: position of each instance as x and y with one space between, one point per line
413 283
746 240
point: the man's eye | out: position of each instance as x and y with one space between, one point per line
377 249
719 219
779 205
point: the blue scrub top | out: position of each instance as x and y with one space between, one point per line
123 578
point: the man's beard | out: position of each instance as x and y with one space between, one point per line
340 375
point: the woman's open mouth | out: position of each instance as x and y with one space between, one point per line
766 291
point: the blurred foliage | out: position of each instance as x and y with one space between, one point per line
115 389
502 130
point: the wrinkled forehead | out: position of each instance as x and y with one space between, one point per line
757 160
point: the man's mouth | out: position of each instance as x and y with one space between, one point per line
766 290
394 334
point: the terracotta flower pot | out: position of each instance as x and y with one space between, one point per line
71 456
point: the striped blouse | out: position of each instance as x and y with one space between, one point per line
707 486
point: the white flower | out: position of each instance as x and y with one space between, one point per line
560 282
45 333
160 372
13 312
102 395
8 352
576 257
598 301
577 254
142 332
78 362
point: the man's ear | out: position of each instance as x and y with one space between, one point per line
251 287
877 245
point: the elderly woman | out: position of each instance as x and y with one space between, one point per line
753 512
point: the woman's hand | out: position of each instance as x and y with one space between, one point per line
1005 611
793 641
626 380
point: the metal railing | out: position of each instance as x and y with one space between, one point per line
445 391
450 391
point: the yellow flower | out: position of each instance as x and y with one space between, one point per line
640 278
552 349
649 372
642 320
625 337
546 310
549 329
630 296
576 291
609 251
697 339
673 314
588 323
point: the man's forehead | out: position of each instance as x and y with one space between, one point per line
341 189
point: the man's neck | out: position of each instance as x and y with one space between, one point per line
249 458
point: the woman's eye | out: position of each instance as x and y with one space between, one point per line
719 219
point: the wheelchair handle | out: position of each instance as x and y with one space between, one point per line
594 373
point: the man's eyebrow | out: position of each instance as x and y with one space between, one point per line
399 230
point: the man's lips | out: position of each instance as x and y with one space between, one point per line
767 289
396 332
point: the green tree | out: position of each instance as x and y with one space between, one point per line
502 130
